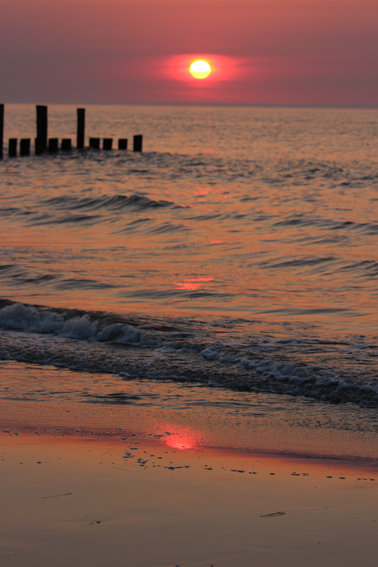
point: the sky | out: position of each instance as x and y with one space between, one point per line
262 52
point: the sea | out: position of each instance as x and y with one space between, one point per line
236 254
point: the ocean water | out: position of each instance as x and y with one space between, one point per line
239 250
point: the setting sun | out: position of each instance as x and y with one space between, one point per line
200 69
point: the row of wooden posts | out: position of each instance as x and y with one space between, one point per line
43 144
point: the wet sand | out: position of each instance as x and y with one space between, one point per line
93 485
78 499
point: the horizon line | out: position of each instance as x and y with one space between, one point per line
308 106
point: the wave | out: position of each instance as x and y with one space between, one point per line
233 167
78 210
328 224
114 203
226 353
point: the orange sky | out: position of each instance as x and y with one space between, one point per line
312 52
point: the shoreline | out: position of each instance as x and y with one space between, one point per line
179 441
43 397
90 501
178 476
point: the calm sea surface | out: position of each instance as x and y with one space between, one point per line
239 249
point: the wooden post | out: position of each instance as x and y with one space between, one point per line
122 144
38 146
138 143
25 147
12 147
53 145
94 143
1 130
80 128
107 143
66 144
41 140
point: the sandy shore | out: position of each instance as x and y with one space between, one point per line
142 488
104 500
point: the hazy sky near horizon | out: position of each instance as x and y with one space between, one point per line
312 52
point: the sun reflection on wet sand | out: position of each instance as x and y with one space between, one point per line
182 438
88 499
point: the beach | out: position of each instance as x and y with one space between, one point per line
75 502
188 344
156 486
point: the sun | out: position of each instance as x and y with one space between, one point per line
200 69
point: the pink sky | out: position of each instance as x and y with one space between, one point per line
311 52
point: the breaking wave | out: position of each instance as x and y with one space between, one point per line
226 353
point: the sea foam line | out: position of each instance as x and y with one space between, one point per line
174 350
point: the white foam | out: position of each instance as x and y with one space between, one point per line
29 319
78 328
258 367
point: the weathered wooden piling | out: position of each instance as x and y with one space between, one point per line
38 146
66 144
138 143
12 147
107 143
1 130
41 140
43 143
53 145
80 128
25 147
94 143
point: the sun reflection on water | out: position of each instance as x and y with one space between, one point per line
193 283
